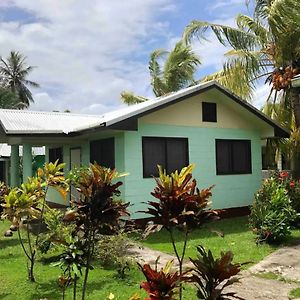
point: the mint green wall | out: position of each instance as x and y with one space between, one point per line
53 195
230 190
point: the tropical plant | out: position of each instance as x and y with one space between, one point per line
160 285
4 190
264 46
292 188
26 204
9 100
272 214
97 212
212 275
176 72
14 72
71 263
180 204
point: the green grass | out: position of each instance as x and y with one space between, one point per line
237 237
295 293
102 282
274 276
14 284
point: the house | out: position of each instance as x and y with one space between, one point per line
205 124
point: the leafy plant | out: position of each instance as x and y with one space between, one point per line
272 213
160 285
180 205
291 185
4 190
96 212
212 275
71 262
27 203
112 251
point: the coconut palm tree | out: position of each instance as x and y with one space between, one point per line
264 46
169 72
9 100
14 72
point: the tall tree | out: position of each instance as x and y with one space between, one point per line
263 46
14 72
169 72
9 100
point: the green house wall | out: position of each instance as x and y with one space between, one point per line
229 191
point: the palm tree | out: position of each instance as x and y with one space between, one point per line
9 100
264 46
169 72
14 72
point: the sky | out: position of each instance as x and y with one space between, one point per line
86 52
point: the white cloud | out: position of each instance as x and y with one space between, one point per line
260 95
86 54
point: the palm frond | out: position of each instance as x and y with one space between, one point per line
130 99
228 36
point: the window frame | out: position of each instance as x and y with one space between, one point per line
231 158
164 139
205 116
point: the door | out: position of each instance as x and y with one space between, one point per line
75 162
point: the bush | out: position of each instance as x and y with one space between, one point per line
272 213
112 251
211 275
292 187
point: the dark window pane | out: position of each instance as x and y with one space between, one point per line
56 154
209 112
241 154
103 152
223 153
177 154
154 153
233 157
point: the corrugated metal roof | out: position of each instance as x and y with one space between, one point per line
35 122
27 121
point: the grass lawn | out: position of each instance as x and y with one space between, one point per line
14 284
237 238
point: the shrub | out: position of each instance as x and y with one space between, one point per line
292 187
160 285
112 251
212 275
272 213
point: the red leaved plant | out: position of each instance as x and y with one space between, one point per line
160 285
96 211
212 275
180 204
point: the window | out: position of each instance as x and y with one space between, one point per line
56 154
209 112
103 152
170 153
233 157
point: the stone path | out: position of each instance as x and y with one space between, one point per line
284 262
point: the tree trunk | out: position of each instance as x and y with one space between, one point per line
295 101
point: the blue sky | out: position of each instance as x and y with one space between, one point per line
87 52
